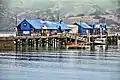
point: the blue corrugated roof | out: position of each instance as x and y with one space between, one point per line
35 23
51 25
84 25
95 23
38 24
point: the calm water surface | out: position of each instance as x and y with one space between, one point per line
100 64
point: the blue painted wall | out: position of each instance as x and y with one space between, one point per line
82 30
25 28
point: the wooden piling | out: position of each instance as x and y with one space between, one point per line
36 43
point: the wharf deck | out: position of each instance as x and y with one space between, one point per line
36 37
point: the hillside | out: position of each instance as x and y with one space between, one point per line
50 9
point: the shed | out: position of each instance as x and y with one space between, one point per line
74 28
98 27
51 25
26 27
83 28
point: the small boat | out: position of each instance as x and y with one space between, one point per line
100 48
100 41
81 45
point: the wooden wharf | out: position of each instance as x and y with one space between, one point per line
78 46
112 39
55 41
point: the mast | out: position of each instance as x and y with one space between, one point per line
100 30
58 18
16 24
93 31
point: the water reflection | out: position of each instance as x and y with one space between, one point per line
100 48
48 64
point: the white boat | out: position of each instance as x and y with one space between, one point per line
100 41
100 48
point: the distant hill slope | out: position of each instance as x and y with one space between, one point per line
50 9
66 6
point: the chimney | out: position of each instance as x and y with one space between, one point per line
102 20
61 21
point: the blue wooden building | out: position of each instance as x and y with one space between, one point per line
27 27
83 28
37 27
95 28
98 27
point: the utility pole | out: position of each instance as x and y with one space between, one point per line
16 24
93 26
80 24
58 15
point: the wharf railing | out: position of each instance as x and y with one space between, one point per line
7 35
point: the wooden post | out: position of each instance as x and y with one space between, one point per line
111 40
50 42
75 40
57 43
47 42
32 42
16 43
89 38
54 42
40 42
65 42
19 44
117 39
106 38
26 44
22 44
36 43
43 42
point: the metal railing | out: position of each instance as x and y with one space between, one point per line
76 37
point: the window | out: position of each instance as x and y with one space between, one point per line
24 24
